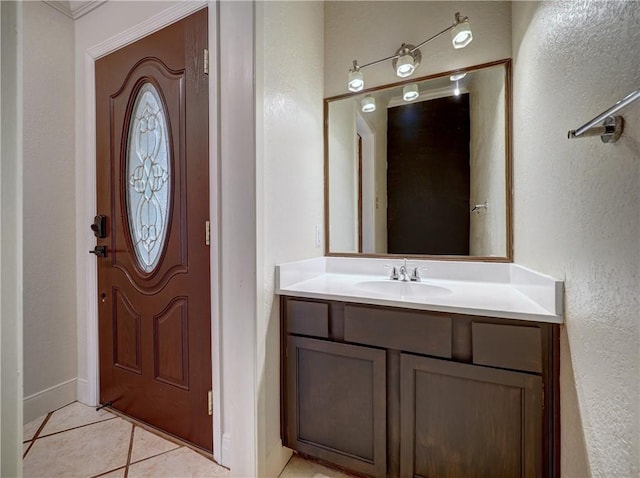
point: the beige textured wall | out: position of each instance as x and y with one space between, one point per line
49 210
576 215
488 232
289 189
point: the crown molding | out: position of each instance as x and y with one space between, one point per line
74 13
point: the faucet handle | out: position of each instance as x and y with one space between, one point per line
415 275
394 272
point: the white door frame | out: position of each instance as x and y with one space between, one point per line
368 185
86 264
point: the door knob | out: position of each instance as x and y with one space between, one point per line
100 251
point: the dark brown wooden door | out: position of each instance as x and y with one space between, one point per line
428 177
153 186
460 420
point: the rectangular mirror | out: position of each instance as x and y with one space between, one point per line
428 177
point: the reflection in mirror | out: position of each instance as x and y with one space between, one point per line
427 171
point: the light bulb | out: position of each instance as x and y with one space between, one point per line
410 92
405 66
461 34
356 81
456 91
368 104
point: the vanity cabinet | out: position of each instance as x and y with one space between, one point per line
392 392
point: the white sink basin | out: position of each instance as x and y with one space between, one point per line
403 289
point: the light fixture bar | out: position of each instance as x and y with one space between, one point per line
433 37
393 57
379 61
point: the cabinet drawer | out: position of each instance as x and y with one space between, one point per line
398 329
507 346
308 318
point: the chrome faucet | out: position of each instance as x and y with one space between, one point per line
402 273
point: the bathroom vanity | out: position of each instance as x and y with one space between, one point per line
455 375
432 368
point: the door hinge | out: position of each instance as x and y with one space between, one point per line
207 233
210 402
206 61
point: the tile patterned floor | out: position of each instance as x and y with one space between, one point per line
299 468
78 442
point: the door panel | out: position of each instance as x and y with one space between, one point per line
171 344
428 177
336 403
126 334
152 183
171 86
464 420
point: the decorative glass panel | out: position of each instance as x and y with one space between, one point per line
148 173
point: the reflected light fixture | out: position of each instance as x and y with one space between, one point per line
407 58
368 104
410 92
457 77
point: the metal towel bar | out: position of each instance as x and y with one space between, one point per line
611 127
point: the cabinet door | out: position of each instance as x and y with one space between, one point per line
337 403
460 420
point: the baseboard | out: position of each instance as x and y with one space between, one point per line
225 450
52 398
277 459
82 392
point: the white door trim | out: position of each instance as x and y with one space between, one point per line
88 391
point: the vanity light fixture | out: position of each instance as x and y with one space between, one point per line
456 90
461 34
356 82
407 58
410 92
406 61
368 104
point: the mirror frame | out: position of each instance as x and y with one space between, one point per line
508 168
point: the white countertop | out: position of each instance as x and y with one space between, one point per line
501 290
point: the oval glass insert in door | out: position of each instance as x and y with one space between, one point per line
148 173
